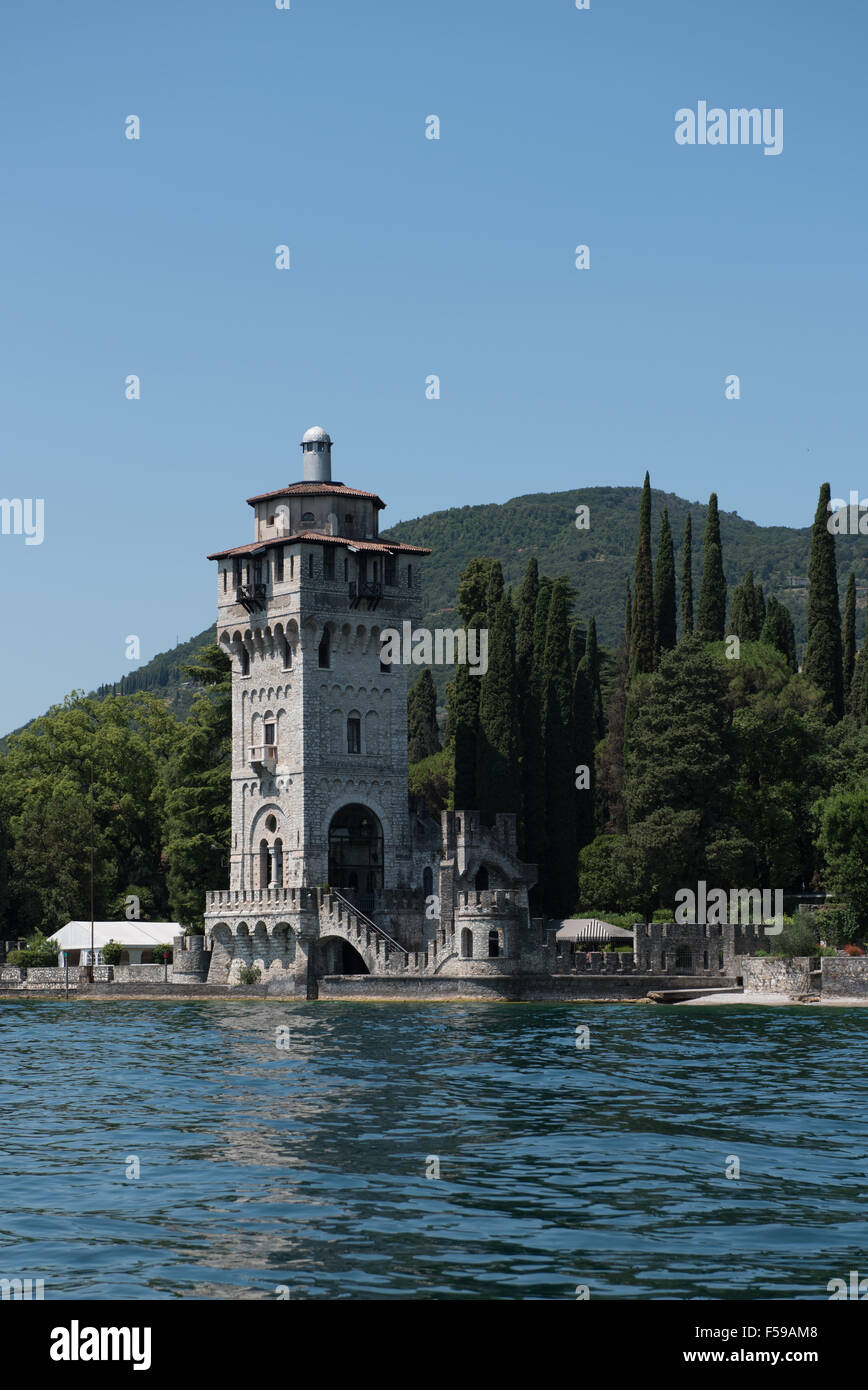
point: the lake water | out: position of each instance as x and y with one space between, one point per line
306 1167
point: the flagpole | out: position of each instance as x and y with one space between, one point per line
90 973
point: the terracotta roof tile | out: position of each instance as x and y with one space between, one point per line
315 490
381 547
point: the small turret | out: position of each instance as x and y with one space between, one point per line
316 449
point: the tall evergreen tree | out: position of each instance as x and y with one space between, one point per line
584 738
642 636
664 589
848 637
559 866
747 613
422 733
628 620
497 749
778 631
528 708
462 702
687 579
591 666
822 664
711 612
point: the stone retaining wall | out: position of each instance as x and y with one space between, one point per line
845 976
789 975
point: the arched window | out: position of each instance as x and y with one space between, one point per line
466 943
264 864
354 735
278 864
325 651
355 849
245 662
428 881
287 654
493 942
308 519
481 880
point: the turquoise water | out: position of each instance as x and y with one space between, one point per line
307 1168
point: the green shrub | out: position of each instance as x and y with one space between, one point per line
111 953
249 974
799 939
163 950
38 951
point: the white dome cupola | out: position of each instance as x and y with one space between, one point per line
316 449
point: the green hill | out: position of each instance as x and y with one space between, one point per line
598 562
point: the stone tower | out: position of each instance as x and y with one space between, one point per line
319 723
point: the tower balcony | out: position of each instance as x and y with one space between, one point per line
264 756
370 590
250 596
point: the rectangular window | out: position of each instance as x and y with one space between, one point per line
278 565
328 563
354 735
257 571
225 578
346 569
268 730
389 576
236 572
245 662
310 565
291 566
409 576
287 655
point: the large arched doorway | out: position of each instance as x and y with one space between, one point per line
334 956
356 855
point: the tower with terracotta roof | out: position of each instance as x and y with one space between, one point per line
319 723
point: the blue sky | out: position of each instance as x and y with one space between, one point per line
409 257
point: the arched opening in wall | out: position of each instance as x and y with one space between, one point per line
428 881
264 864
683 960
334 956
325 651
356 854
277 874
481 880
493 942
466 943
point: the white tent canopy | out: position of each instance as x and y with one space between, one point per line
75 936
134 936
590 929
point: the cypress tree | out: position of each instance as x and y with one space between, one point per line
711 612
560 865
642 636
687 579
534 767
664 590
584 738
528 709
778 630
462 699
822 664
848 638
422 734
747 614
628 619
591 666
497 765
